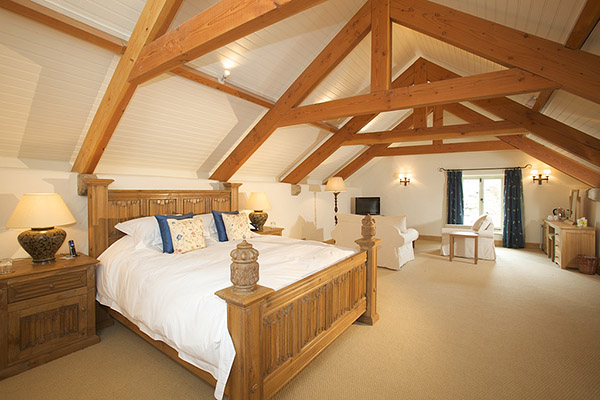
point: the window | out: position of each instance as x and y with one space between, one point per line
483 194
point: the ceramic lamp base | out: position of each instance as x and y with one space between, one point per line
258 219
42 243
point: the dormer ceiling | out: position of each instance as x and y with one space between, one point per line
187 123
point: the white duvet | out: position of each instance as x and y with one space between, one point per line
170 297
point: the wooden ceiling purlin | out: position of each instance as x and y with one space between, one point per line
481 86
494 128
575 70
351 127
65 24
215 27
570 139
587 21
338 48
154 19
492 145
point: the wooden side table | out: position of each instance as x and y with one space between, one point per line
270 230
464 234
46 312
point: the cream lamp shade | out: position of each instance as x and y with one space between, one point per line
258 202
41 212
336 185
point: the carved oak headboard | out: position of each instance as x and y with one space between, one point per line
107 207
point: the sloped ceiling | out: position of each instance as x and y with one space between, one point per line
52 84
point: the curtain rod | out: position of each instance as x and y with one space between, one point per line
481 169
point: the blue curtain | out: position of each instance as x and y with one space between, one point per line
455 197
512 233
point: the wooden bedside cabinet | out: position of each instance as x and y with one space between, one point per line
46 312
270 230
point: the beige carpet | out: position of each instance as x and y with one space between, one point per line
517 328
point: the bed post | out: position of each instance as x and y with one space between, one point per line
244 300
368 243
97 192
234 190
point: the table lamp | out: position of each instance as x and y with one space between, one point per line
41 212
258 202
337 186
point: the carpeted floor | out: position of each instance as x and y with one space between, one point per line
517 328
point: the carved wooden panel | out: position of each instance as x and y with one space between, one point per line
289 328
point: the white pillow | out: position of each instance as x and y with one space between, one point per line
237 226
186 234
210 229
144 230
478 225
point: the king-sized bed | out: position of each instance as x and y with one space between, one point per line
247 341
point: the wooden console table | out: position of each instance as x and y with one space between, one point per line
564 241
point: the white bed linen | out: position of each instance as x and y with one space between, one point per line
170 297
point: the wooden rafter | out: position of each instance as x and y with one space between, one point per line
481 86
492 145
217 26
381 45
204 79
341 45
64 24
585 24
554 159
335 141
494 128
155 17
575 70
570 139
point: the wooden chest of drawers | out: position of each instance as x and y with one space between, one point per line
46 311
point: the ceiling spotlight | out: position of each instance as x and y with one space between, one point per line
224 77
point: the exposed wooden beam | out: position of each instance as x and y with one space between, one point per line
64 24
359 161
215 27
155 15
381 45
465 113
542 100
420 113
576 70
341 45
498 128
554 159
494 145
204 79
570 139
487 85
335 141
585 24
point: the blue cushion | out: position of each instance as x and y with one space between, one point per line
165 232
221 232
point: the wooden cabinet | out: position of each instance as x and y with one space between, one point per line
46 311
564 242
270 230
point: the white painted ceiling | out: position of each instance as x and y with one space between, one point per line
52 83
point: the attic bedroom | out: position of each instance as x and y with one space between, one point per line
431 114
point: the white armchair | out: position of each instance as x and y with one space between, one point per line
464 247
396 247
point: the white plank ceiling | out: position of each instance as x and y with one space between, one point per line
52 83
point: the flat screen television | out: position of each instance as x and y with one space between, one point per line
367 205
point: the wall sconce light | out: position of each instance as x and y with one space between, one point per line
539 178
224 77
404 179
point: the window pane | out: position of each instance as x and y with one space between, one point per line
471 196
492 200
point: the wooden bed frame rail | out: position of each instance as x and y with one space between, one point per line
275 333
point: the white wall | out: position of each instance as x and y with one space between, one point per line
308 215
423 200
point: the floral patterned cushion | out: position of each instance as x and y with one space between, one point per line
237 226
186 234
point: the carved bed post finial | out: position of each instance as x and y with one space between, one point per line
369 244
244 268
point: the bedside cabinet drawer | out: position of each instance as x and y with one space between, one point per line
32 288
